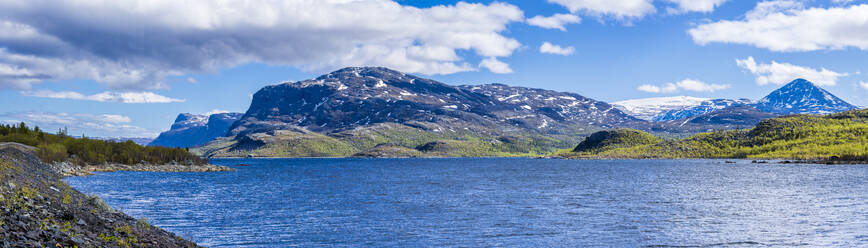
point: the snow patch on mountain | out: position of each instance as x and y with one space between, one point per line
648 108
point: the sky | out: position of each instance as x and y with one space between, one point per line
121 68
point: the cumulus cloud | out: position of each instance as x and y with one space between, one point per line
496 66
782 73
101 125
122 97
556 21
787 26
620 9
686 84
864 85
628 10
684 6
555 49
135 45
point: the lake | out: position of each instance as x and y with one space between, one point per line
484 202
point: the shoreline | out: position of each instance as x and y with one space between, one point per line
67 169
749 160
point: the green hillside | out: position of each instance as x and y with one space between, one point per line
842 136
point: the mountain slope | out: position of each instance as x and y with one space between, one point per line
728 118
191 130
802 97
703 108
356 109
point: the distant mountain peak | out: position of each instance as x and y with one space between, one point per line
191 130
802 97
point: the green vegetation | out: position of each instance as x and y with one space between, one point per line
387 140
841 137
60 147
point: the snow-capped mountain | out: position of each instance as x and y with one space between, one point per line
701 109
191 130
802 97
648 108
364 96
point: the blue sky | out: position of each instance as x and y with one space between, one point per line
128 68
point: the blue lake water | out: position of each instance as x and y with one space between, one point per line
484 202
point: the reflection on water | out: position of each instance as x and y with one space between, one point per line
499 202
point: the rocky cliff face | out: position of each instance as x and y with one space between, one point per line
191 130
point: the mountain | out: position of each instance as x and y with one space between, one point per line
802 97
356 109
648 108
704 107
191 130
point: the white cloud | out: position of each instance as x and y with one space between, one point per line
97 125
216 111
788 26
496 66
192 80
555 49
864 85
133 45
620 9
686 84
556 21
695 5
782 73
123 97
627 10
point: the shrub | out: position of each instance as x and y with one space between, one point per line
52 152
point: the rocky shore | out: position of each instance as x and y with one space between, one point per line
68 169
38 209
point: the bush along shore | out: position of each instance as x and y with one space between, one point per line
38 209
72 156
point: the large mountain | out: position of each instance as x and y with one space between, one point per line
354 97
802 97
355 109
191 130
